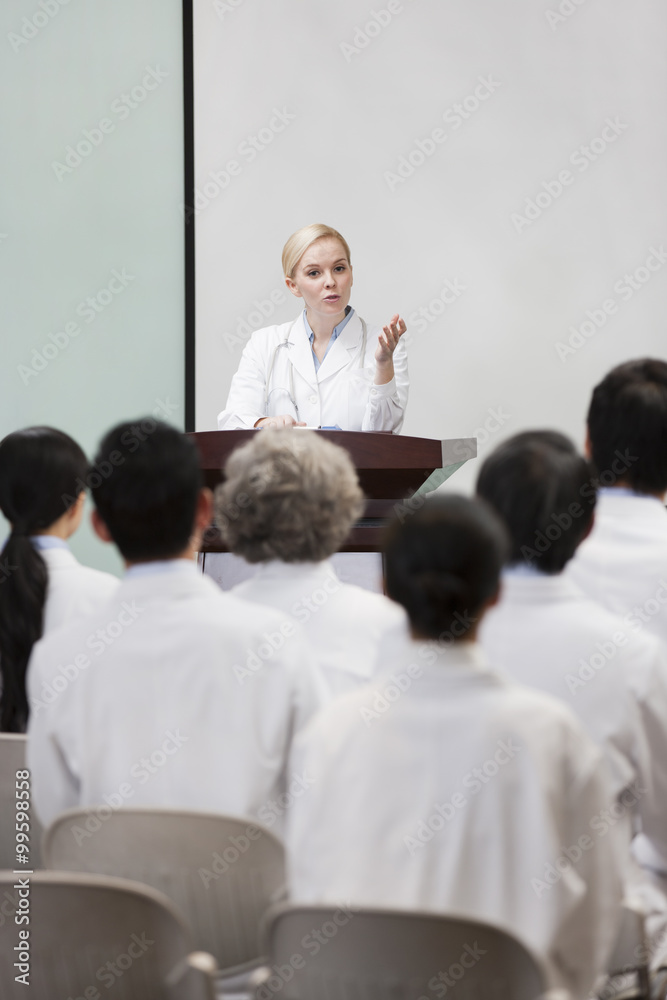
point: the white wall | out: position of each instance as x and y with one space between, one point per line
489 363
67 230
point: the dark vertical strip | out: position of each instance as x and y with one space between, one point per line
189 217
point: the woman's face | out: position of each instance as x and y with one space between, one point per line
323 279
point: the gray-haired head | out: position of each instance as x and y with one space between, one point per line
289 495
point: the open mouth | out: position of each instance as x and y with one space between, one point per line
332 298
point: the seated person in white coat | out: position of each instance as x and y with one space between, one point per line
151 704
303 497
623 563
444 786
326 368
42 492
547 633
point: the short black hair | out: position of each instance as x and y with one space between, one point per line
627 425
442 564
145 483
542 489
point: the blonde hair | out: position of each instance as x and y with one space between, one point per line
299 242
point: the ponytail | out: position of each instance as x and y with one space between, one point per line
42 472
22 596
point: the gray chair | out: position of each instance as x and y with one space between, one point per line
221 872
12 759
630 955
95 936
317 952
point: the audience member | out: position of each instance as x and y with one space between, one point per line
623 564
447 787
548 634
42 491
172 693
288 503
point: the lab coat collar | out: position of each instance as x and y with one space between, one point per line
310 572
59 558
183 582
300 352
343 349
457 664
636 507
538 588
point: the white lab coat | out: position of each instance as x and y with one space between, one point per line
341 393
623 562
548 634
72 590
172 694
444 786
345 625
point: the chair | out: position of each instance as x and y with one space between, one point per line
630 954
91 936
320 952
12 759
221 872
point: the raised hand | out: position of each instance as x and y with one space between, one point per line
388 339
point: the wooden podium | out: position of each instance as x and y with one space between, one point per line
392 470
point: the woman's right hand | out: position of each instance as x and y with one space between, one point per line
283 420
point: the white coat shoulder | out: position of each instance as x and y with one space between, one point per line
73 590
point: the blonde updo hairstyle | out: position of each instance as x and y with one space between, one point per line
299 242
288 495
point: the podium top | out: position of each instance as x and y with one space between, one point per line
389 466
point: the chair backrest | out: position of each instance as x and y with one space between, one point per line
631 951
343 953
92 936
222 873
12 760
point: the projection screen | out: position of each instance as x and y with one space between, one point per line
498 170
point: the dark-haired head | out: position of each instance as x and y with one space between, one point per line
146 483
42 473
627 426
542 489
443 566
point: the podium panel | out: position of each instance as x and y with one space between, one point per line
393 470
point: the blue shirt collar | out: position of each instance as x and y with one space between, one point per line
522 569
48 542
337 330
621 491
159 566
